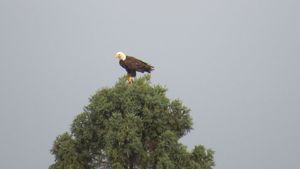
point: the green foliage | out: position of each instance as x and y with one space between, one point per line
130 126
203 157
66 154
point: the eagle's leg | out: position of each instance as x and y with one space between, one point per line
131 79
128 78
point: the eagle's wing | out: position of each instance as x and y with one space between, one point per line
138 65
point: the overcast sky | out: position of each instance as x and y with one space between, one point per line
235 63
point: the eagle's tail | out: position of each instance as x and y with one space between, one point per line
149 68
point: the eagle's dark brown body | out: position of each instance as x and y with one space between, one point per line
132 65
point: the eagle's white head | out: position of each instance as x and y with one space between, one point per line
120 56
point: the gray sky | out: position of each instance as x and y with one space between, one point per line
235 63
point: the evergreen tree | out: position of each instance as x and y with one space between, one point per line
130 126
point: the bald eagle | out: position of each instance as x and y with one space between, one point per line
133 65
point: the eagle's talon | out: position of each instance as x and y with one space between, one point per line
130 80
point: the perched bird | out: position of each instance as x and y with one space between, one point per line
132 65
